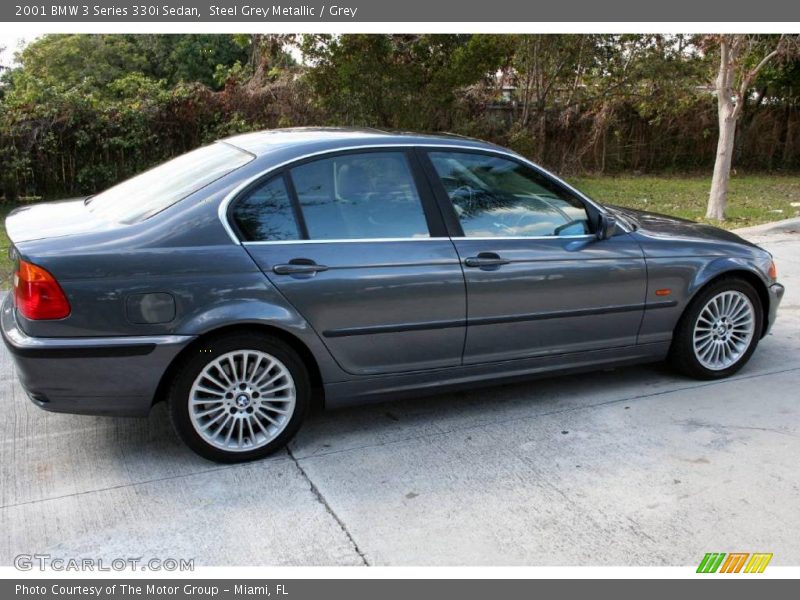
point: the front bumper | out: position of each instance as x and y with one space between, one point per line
775 296
99 376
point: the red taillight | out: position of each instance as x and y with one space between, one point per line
37 294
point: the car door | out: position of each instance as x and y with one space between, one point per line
538 280
355 242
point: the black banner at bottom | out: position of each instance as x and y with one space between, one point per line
390 589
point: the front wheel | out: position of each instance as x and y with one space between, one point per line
719 331
239 398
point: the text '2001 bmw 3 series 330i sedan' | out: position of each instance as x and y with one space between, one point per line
243 279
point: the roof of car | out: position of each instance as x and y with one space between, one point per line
312 139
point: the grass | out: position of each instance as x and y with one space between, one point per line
753 199
5 262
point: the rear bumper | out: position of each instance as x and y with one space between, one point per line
775 296
98 376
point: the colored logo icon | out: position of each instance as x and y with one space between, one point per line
734 562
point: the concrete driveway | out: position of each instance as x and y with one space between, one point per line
629 467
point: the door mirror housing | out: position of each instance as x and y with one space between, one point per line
606 226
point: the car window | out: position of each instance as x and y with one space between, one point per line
151 192
497 197
266 214
360 196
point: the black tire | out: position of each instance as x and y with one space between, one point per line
191 367
682 355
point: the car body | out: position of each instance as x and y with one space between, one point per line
387 262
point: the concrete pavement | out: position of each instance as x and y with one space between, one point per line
635 466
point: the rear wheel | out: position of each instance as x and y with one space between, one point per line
240 398
719 331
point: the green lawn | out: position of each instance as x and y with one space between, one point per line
753 199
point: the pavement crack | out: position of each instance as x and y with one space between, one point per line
722 426
328 508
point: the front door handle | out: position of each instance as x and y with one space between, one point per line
486 259
299 266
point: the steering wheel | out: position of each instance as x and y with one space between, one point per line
462 193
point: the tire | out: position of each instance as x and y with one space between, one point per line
240 397
692 352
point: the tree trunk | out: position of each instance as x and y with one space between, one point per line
729 110
541 141
718 198
727 114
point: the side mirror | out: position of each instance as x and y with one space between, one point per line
606 226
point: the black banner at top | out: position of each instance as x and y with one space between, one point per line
439 11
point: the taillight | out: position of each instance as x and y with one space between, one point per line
37 294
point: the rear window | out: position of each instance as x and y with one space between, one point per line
151 192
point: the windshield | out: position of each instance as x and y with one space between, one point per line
151 192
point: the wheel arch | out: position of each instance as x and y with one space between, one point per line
267 329
716 272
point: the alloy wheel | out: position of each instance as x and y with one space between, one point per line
723 330
242 400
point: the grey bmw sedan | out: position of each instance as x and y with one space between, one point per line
247 279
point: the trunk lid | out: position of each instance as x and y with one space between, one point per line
51 220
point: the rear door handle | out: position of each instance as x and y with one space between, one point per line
486 259
299 266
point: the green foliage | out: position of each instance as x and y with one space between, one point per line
193 57
82 112
237 74
81 60
75 60
399 81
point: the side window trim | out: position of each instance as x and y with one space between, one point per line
433 214
296 208
454 228
431 210
443 202
428 192
244 192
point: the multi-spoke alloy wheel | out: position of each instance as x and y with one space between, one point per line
718 331
239 397
242 400
723 330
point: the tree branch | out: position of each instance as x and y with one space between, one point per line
748 78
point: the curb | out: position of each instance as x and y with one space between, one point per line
785 226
